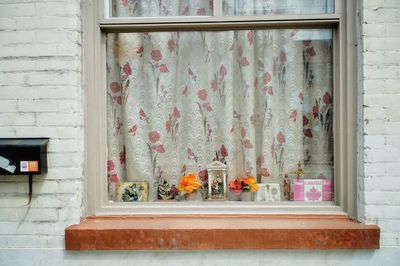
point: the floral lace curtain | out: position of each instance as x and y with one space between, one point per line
161 8
264 7
260 101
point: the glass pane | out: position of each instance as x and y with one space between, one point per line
276 7
161 8
260 102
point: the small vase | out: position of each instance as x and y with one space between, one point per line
191 196
246 196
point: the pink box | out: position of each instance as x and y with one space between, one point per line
298 189
312 190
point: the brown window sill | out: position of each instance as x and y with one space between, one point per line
209 232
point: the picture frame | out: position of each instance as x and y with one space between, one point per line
137 191
217 188
269 192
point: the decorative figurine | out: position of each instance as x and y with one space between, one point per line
216 180
286 187
132 192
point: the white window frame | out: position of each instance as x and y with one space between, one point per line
343 22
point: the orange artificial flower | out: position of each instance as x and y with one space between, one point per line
189 183
250 183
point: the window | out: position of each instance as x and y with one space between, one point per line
257 85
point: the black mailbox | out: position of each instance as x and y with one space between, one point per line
23 156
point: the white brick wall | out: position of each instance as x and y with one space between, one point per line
41 96
380 192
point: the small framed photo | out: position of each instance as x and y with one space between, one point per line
132 191
270 192
217 181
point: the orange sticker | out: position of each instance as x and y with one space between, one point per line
33 166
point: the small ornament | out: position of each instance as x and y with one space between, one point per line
216 180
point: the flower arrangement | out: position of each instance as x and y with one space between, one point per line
189 183
243 184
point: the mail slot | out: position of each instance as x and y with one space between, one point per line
23 156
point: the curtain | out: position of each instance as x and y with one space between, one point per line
161 8
264 7
259 101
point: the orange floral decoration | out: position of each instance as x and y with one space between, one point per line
189 183
250 182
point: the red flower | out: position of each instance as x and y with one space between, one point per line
305 120
110 165
270 91
208 107
240 51
115 87
293 116
163 68
202 94
125 2
143 115
160 149
315 111
177 114
122 157
243 132
168 125
308 133
127 69
140 50
250 37
171 45
214 85
283 57
201 12
222 71
281 138
154 136
247 144
224 151
244 62
156 55
327 98
113 178
235 186
203 175
264 172
267 78
133 129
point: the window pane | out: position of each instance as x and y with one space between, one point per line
161 8
275 7
258 101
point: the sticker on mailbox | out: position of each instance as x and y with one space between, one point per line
29 166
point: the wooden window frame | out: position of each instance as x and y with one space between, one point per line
343 22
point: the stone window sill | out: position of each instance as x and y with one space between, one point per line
207 232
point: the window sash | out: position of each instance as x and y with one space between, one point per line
345 128
105 13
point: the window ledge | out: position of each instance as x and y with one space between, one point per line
207 232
